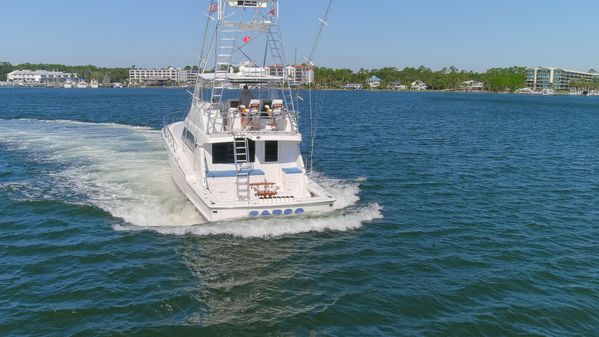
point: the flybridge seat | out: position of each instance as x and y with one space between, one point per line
277 105
232 173
254 105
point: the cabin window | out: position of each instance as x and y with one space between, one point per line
271 151
188 138
223 153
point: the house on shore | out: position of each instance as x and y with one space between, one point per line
471 86
418 85
374 82
396 85
353 86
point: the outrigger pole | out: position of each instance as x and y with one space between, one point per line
313 122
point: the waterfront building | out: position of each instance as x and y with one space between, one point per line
374 82
396 85
299 74
38 77
160 76
418 85
471 86
556 78
353 86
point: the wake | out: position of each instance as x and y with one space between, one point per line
124 170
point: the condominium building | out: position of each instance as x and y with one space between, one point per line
556 78
38 77
298 74
142 76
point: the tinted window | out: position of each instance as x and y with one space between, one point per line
271 151
222 153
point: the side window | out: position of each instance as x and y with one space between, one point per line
188 138
271 151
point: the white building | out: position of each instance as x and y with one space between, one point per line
396 85
35 77
179 75
374 82
472 86
353 86
298 74
418 85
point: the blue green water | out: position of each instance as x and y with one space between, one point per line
459 214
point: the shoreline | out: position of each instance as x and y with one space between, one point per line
315 89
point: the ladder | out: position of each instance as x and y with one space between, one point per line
243 164
224 55
277 51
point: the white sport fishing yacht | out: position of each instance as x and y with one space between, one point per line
237 155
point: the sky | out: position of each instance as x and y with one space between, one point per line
469 34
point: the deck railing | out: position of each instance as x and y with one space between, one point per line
220 121
169 138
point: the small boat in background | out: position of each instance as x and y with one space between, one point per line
547 92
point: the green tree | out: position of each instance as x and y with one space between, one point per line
5 68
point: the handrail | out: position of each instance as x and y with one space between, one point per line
220 121
170 139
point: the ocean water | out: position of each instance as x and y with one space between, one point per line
458 215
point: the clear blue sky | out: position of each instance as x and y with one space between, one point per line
470 34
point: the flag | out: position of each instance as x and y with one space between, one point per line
272 12
246 39
213 7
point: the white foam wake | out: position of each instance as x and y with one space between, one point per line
124 170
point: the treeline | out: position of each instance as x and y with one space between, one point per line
87 72
495 79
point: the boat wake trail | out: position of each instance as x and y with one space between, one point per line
124 170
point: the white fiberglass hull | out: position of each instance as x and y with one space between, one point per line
190 185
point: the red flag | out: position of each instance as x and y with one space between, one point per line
213 7
272 12
246 39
